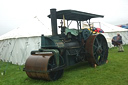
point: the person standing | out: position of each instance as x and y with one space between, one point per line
119 41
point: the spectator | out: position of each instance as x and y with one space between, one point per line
117 41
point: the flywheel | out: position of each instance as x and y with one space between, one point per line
96 49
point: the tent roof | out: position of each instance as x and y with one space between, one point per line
30 29
35 28
106 27
75 15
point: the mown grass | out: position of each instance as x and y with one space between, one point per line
115 72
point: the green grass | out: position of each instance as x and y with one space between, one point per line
115 72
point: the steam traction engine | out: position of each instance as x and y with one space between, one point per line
68 48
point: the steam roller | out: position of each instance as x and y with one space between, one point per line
71 46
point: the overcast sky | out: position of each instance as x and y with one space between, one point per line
15 13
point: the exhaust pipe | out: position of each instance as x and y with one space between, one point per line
53 22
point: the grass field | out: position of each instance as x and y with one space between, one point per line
115 72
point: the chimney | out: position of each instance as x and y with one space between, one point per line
53 22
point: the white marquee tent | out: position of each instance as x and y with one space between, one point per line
16 45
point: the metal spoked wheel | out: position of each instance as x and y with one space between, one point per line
97 49
54 75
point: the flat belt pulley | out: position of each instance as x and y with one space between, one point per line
97 49
43 66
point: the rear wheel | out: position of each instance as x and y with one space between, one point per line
97 49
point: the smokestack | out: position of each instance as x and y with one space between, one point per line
53 21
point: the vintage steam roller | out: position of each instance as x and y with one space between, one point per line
68 48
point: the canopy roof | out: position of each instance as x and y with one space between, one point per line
75 15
